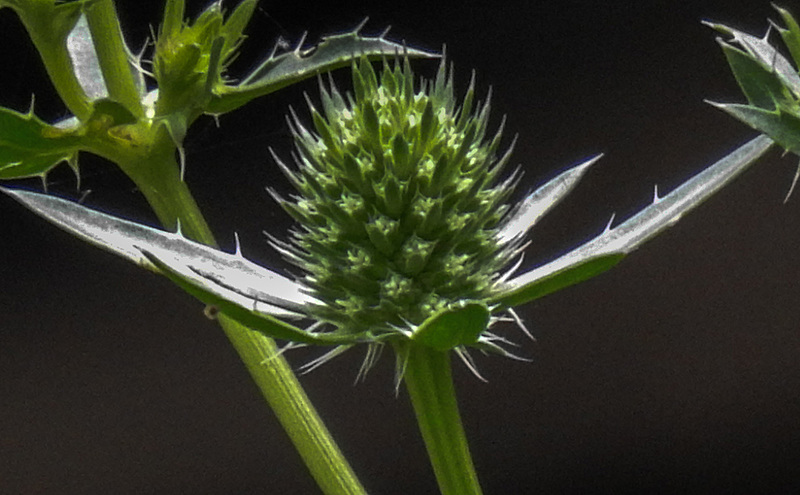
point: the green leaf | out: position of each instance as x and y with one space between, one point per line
790 35
172 22
113 112
761 50
783 127
49 24
30 147
51 17
253 319
233 28
760 84
453 327
279 71
607 249
583 268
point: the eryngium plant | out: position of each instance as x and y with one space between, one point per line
403 237
135 110
399 206
403 231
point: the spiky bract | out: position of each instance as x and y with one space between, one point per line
398 201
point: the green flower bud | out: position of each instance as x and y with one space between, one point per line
398 206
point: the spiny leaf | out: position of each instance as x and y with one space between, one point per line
30 147
247 292
761 50
790 34
783 127
279 71
760 84
129 240
249 316
607 249
533 207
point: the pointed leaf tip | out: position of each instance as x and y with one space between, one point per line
612 245
532 208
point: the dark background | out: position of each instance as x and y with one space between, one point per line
678 371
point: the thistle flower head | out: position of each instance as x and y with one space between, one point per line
402 227
399 206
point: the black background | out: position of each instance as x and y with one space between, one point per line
678 371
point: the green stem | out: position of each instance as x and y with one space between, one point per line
157 176
49 38
112 54
430 385
294 410
149 160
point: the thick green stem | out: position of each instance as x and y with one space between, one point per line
112 54
147 155
49 38
159 181
430 385
293 409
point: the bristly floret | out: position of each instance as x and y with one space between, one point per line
398 203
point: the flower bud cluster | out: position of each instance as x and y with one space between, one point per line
398 204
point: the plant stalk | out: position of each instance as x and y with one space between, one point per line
285 395
112 55
430 384
52 50
149 160
172 202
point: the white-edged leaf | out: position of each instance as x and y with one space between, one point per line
612 245
249 293
278 71
540 201
280 296
761 50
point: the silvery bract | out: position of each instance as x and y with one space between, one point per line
404 235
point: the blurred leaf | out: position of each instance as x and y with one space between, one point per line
172 21
112 112
790 34
53 18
